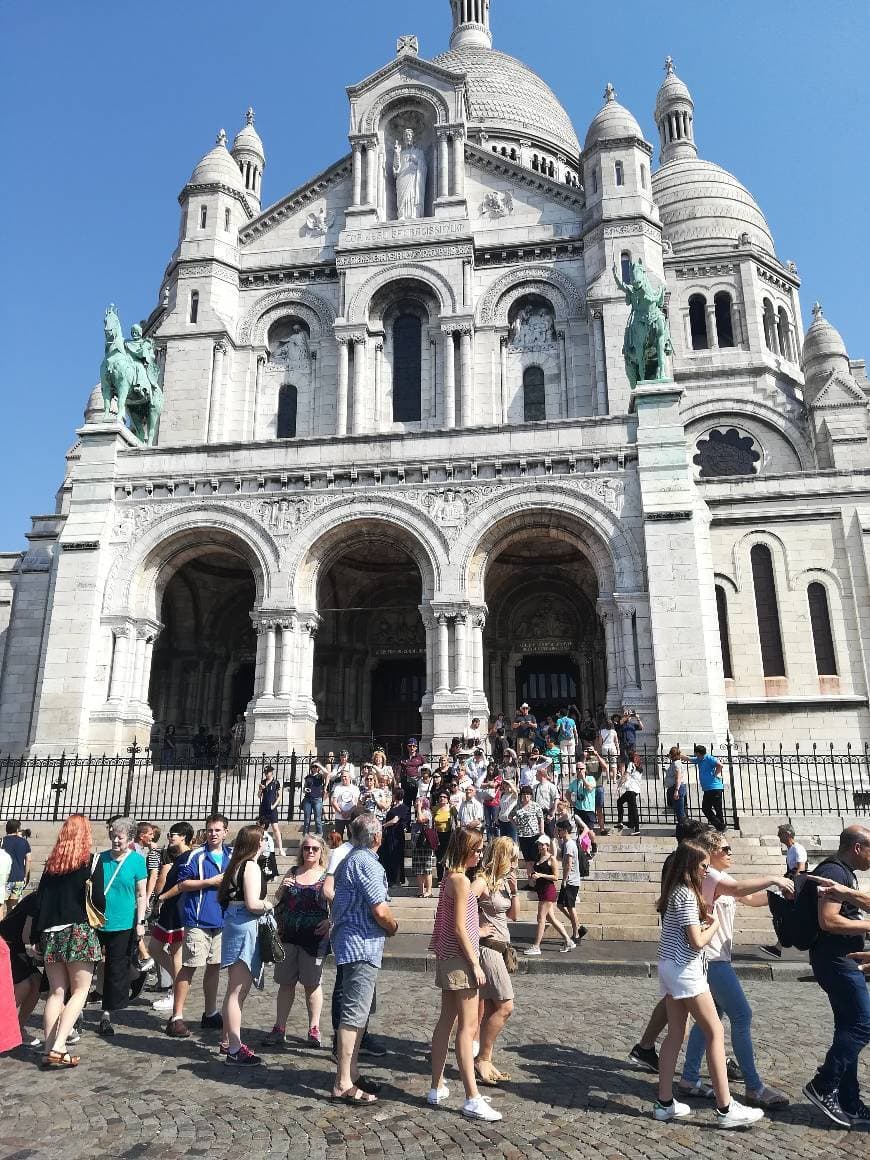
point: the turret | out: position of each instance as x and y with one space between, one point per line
247 152
675 113
470 23
824 352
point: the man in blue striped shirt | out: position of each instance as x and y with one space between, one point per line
361 921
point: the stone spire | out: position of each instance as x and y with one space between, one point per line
249 155
470 23
675 112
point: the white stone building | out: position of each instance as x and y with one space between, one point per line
401 477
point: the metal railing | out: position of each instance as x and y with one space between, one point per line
778 783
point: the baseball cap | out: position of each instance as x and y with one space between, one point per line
543 840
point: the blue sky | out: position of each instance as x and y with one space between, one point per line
108 107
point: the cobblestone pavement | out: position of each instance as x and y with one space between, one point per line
573 1091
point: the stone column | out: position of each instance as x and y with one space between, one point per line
467 371
215 409
269 660
466 283
443 653
258 396
372 172
138 665
146 668
477 625
602 405
360 352
356 146
458 163
630 678
306 660
503 345
611 649
564 394
431 639
712 332
460 654
288 648
379 380
443 165
118 686
449 375
341 394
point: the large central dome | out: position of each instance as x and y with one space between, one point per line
503 94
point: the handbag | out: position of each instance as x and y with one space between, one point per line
432 838
506 951
95 916
269 942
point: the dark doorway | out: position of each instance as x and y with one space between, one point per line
243 689
548 683
397 690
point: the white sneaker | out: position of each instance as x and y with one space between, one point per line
529 951
437 1096
480 1109
676 1111
739 1116
163 1004
570 945
475 1049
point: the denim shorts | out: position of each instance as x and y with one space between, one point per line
357 991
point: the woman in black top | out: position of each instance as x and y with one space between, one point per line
312 799
270 800
395 827
68 942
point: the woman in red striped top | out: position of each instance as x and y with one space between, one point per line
456 946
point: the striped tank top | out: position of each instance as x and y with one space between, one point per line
444 944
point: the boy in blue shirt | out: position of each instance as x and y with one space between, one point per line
712 786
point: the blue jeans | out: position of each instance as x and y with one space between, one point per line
490 815
314 807
680 806
729 998
846 988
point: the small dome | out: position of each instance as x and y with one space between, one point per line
94 408
672 91
218 168
824 349
248 139
704 208
504 94
611 123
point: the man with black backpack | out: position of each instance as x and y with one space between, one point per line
835 955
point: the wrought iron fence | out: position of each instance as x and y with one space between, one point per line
779 783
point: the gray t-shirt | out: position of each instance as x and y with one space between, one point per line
569 850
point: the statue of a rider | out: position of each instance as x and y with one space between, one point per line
647 340
142 350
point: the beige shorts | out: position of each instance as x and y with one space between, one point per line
454 974
498 986
201 948
298 967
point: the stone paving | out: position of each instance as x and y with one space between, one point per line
573 1091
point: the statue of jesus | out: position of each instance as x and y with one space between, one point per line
409 170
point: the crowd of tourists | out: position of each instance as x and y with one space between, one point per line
485 823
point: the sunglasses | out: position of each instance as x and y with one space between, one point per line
310 849
724 849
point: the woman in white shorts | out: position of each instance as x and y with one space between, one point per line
687 927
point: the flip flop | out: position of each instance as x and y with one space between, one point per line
345 1097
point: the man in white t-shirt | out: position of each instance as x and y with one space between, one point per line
471 810
795 863
345 797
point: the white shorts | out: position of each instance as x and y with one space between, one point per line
683 982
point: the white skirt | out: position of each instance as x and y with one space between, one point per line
683 982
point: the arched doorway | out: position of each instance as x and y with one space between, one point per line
202 672
370 653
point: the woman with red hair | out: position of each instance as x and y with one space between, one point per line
68 942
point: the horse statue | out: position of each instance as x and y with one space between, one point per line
129 373
647 340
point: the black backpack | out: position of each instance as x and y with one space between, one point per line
796 920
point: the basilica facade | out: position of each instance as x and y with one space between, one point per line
403 478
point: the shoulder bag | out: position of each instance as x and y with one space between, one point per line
96 918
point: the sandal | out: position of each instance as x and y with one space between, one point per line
488 1077
353 1095
371 1087
501 1076
60 1059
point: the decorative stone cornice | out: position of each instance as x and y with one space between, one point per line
301 197
494 163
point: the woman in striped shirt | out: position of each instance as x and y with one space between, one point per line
456 946
687 928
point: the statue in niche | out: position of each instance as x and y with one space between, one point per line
533 328
446 507
409 171
647 341
295 353
317 223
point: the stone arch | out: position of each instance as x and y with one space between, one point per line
315 310
731 410
140 574
357 311
351 522
586 521
565 295
779 552
371 120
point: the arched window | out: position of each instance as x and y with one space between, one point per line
783 333
594 180
769 317
767 612
227 220
698 322
287 400
619 173
193 312
203 216
407 368
534 396
724 318
724 639
823 638
625 265
643 176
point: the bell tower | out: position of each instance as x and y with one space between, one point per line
470 24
